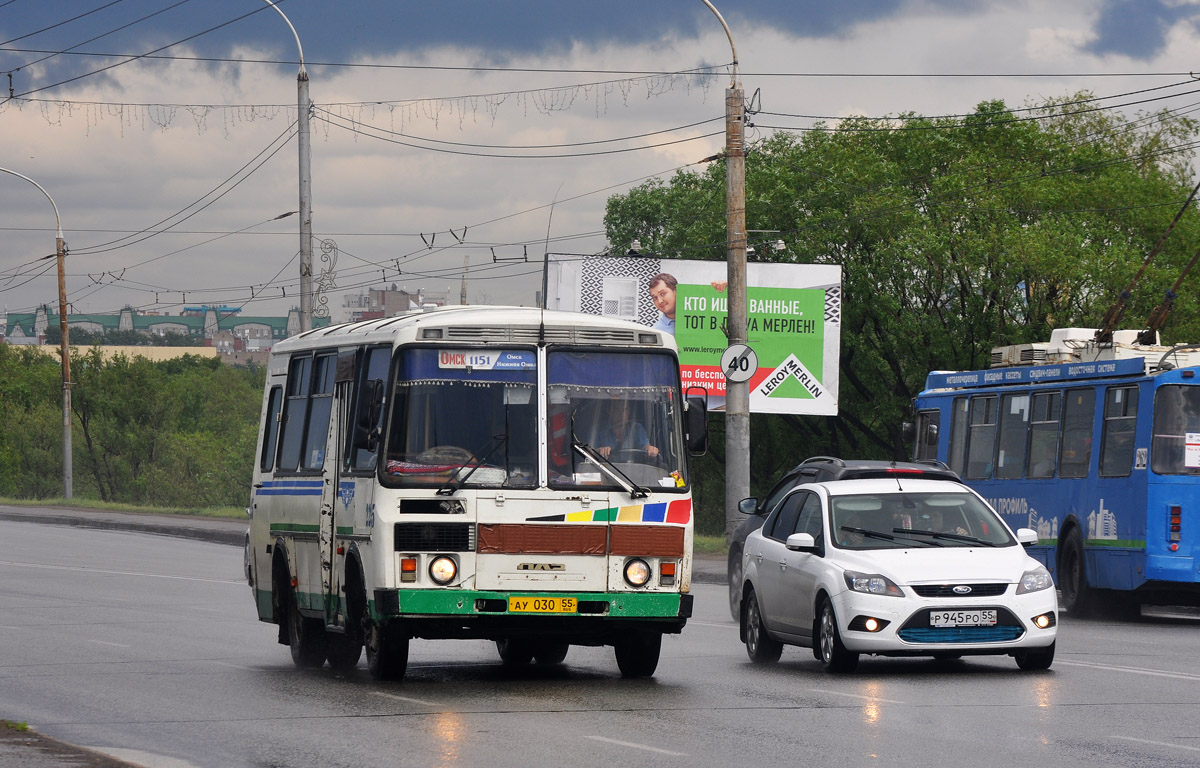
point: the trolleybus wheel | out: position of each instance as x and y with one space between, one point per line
637 655
387 652
1077 595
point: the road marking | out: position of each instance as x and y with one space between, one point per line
857 696
727 625
235 666
84 569
631 745
406 698
105 642
1158 743
1133 670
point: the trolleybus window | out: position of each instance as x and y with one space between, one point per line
981 446
1176 424
1077 432
1120 422
1014 420
1043 434
958 435
463 417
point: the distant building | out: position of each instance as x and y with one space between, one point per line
387 302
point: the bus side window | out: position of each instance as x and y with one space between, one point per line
1043 434
981 443
1077 432
1120 424
295 409
266 462
320 406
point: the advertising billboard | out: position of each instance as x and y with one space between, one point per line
793 320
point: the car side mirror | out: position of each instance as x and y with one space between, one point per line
802 542
748 506
1027 536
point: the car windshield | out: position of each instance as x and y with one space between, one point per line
902 520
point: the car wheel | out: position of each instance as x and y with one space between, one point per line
735 582
834 655
760 647
1077 595
1036 659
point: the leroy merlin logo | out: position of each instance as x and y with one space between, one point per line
791 368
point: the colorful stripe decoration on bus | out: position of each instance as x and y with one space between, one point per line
679 511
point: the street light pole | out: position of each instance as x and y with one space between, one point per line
303 108
737 394
60 252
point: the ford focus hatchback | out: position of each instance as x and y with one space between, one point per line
894 568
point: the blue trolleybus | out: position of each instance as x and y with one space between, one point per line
1098 451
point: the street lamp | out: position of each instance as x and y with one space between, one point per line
60 252
303 107
737 394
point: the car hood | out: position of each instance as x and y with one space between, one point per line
934 565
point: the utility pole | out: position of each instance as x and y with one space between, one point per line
303 108
462 294
737 394
60 253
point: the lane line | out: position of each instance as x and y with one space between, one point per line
105 642
1158 743
1131 670
857 696
631 745
406 698
726 625
84 569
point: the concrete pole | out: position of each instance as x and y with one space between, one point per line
303 109
60 252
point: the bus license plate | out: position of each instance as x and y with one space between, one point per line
962 618
542 605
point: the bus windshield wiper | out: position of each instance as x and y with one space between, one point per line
634 490
458 479
950 536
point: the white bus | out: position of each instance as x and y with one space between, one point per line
458 473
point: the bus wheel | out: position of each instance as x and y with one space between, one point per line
515 653
387 652
551 653
1077 595
306 637
637 655
346 649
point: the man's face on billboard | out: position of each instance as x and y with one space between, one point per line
664 298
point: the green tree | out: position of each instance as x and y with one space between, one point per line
954 235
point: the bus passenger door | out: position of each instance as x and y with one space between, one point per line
331 581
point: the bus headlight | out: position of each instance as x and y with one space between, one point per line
637 573
1034 581
443 569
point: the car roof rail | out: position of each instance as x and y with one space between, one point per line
933 463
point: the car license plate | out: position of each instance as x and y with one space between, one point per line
542 605
986 618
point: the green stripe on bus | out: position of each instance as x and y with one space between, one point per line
341 530
641 605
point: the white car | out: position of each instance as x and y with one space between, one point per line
896 567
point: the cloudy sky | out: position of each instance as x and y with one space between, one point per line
463 133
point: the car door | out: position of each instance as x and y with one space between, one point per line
771 558
801 570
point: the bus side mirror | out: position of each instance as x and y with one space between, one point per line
931 434
908 431
696 425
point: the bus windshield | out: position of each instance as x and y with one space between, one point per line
624 407
1173 450
463 416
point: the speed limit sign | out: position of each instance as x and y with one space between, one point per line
739 363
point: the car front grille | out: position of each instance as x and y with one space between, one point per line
947 590
918 630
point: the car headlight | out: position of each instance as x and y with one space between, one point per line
872 584
1035 581
443 569
637 573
